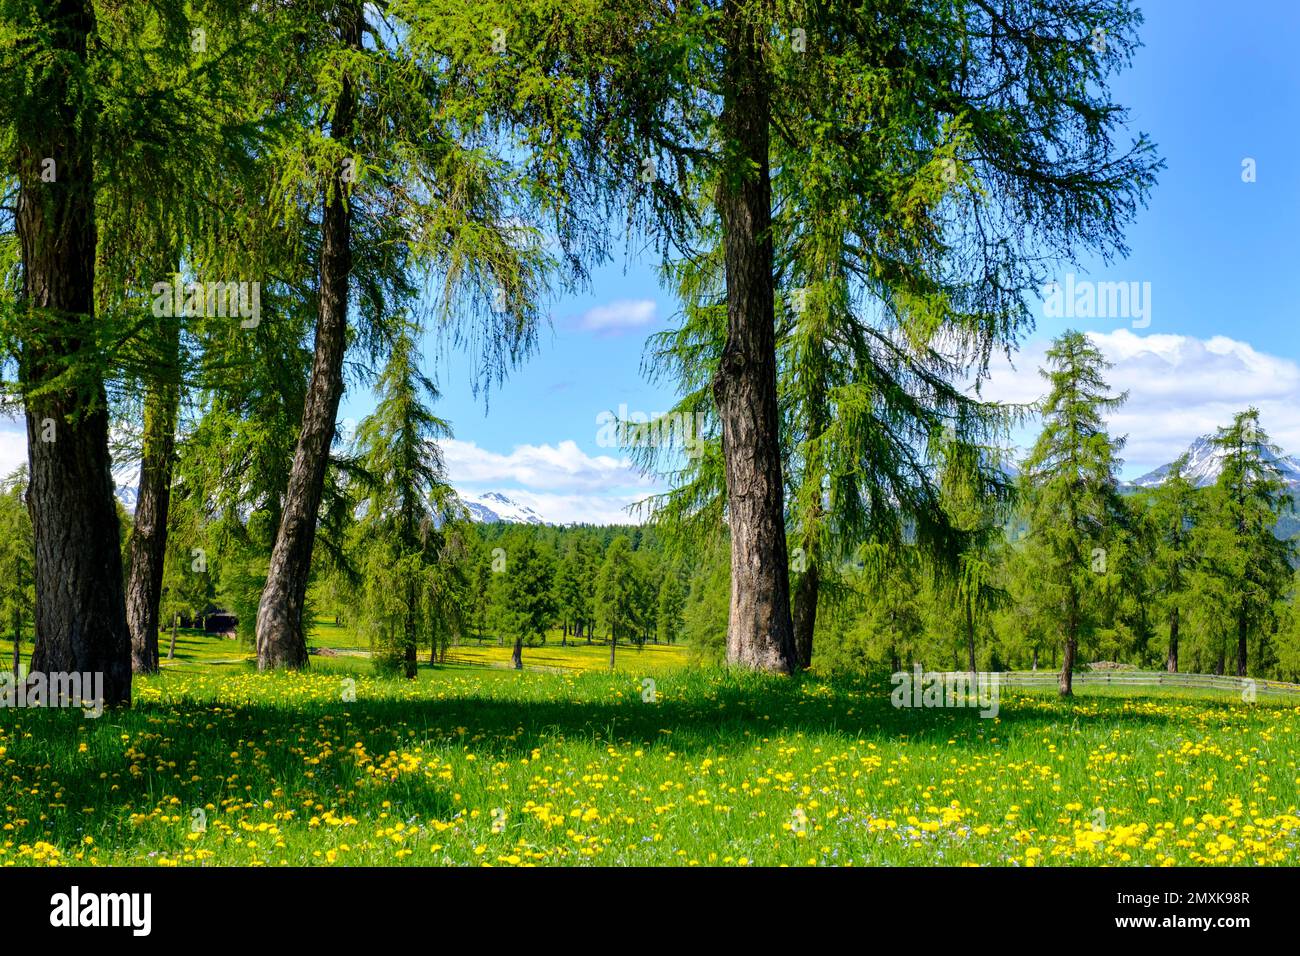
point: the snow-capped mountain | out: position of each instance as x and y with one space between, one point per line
126 484
1204 462
493 506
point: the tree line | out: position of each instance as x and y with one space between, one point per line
1172 577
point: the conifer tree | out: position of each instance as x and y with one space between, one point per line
1175 513
1236 537
408 581
1074 507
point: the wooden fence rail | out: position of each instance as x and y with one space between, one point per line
1117 678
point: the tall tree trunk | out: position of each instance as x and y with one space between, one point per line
281 635
1035 659
412 666
147 548
517 655
1243 632
760 631
804 618
80 607
1171 663
1066 682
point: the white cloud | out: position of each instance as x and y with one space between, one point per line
557 468
13 449
585 509
560 482
618 316
1180 387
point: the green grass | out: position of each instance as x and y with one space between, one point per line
473 765
650 658
573 655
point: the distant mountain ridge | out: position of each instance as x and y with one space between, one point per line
488 508
1205 463
493 506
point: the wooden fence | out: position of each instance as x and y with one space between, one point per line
1126 678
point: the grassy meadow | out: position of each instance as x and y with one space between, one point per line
216 764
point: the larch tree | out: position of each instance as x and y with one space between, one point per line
1174 513
913 220
670 605
405 505
410 174
528 605
616 587
1236 536
1071 489
50 115
164 215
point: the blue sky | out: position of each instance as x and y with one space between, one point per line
1213 86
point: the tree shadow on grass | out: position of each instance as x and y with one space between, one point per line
247 752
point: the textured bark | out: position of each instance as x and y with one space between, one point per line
517 655
281 638
1066 682
147 547
80 609
760 632
1171 662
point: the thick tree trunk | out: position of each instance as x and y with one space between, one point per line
1171 662
80 607
760 631
804 617
147 548
281 634
517 655
1243 631
1035 666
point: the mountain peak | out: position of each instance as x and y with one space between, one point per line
1205 462
493 506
